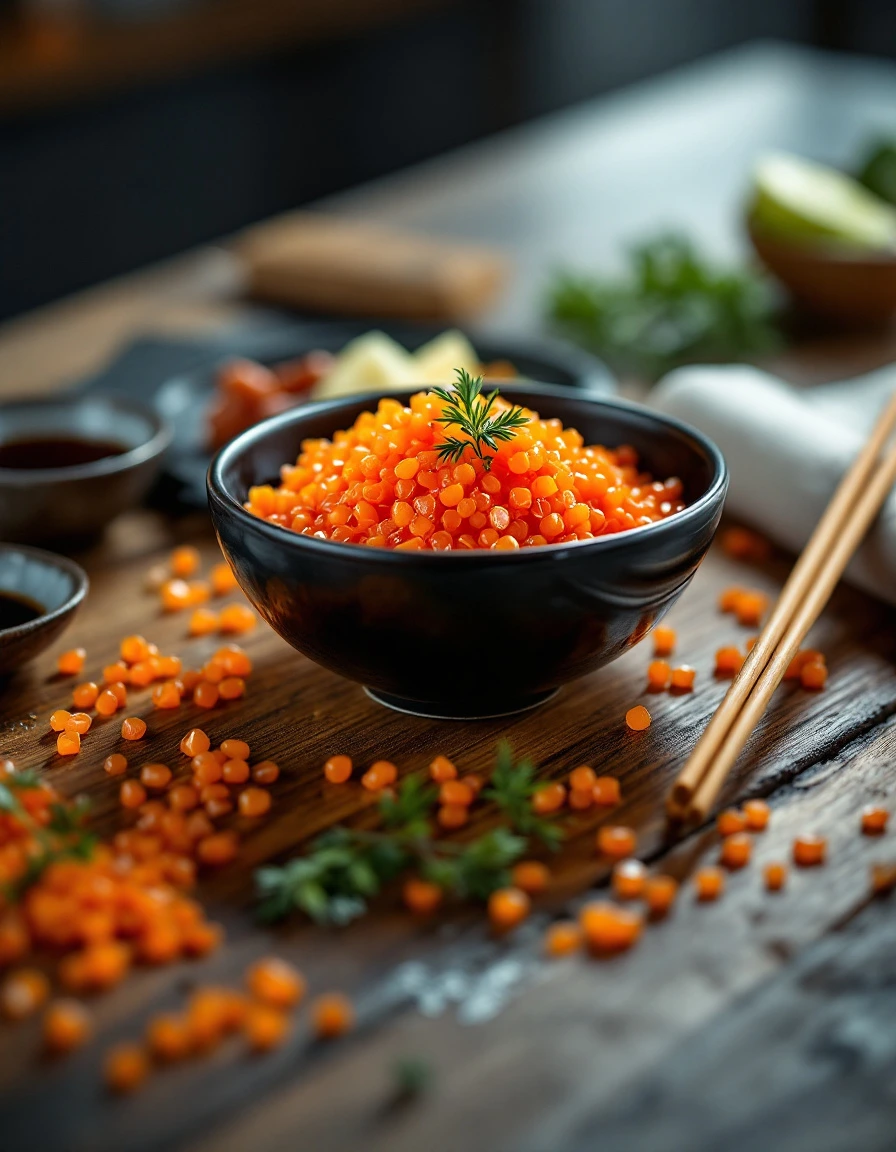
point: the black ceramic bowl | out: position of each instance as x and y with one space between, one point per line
77 501
410 625
54 583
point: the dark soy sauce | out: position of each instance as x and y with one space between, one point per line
17 610
55 452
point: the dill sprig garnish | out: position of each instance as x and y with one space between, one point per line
470 411
345 868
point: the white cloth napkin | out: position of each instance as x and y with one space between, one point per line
786 451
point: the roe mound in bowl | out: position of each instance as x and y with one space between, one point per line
468 634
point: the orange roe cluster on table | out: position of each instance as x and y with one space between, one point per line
383 483
748 606
809 666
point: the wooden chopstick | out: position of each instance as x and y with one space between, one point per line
842 550
800 581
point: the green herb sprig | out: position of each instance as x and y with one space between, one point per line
472 413
345 867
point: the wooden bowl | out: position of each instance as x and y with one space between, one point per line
853 287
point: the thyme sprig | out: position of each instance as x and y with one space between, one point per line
345 868
470 411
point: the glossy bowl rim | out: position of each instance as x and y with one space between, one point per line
154 446
49 560
218 493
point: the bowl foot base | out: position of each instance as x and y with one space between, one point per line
436 710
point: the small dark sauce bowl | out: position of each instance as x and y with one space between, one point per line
56 583
475 633
76 502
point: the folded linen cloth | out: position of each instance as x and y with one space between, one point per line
787 449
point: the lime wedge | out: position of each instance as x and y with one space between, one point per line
798 200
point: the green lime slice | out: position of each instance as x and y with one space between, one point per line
798 200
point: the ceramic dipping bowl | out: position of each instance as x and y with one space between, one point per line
52 583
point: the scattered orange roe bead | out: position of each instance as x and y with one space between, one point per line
531 877
682 679
23 992
217 849
813 675
750 607
78 722
608 928
606 791
456 792
265 772
744 544
629 878
203 622
616 840
659 894
580 798
730 821
235 749
107 703
68 743
59 719
757 815
775 875
883 878
729 662
735 851
582 778
338 769
275 982
235 771
183 797
126 1068
166 695
809 850
184 561
659 673
421 896
664 640
507 907
168 1037
84 695
563 938
453 815
134 649
207 768
265 1027
66 1026
115 765
156 777
331 1015
222 579
254 801
232 688
71 662
117 672
548 798
132 794
709 883
637 718
729 598
133 728
442 769
205 695
194 742
380 774
874 820
175 595
237 618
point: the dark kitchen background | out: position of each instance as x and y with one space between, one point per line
133 129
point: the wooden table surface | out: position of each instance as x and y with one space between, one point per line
758 1022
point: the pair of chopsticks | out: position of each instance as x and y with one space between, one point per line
845 521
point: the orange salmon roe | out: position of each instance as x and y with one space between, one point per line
107 703
582 779
275 982
629 879
265 1027
736 849
194 742
155 776
637 718
166 695
664 639
442 769
682 678
254 802
184 561
382 483
659 673
23 992
775 875
813 675
757 815
168 1037
116 764
659 894
175 595
59 719
874 820
132 794
729 662
616 840
709 882
68 743
265 772
380 774
563 938
126 1068
222 579
203 622
66 1026
71 662
421 896
84 696
580 798
507 907
331 1015
456 792
133 728
608 928
531 877
606 791
731 821
235 749
78 722
237 618
453 815
809 850
548 798
883 878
